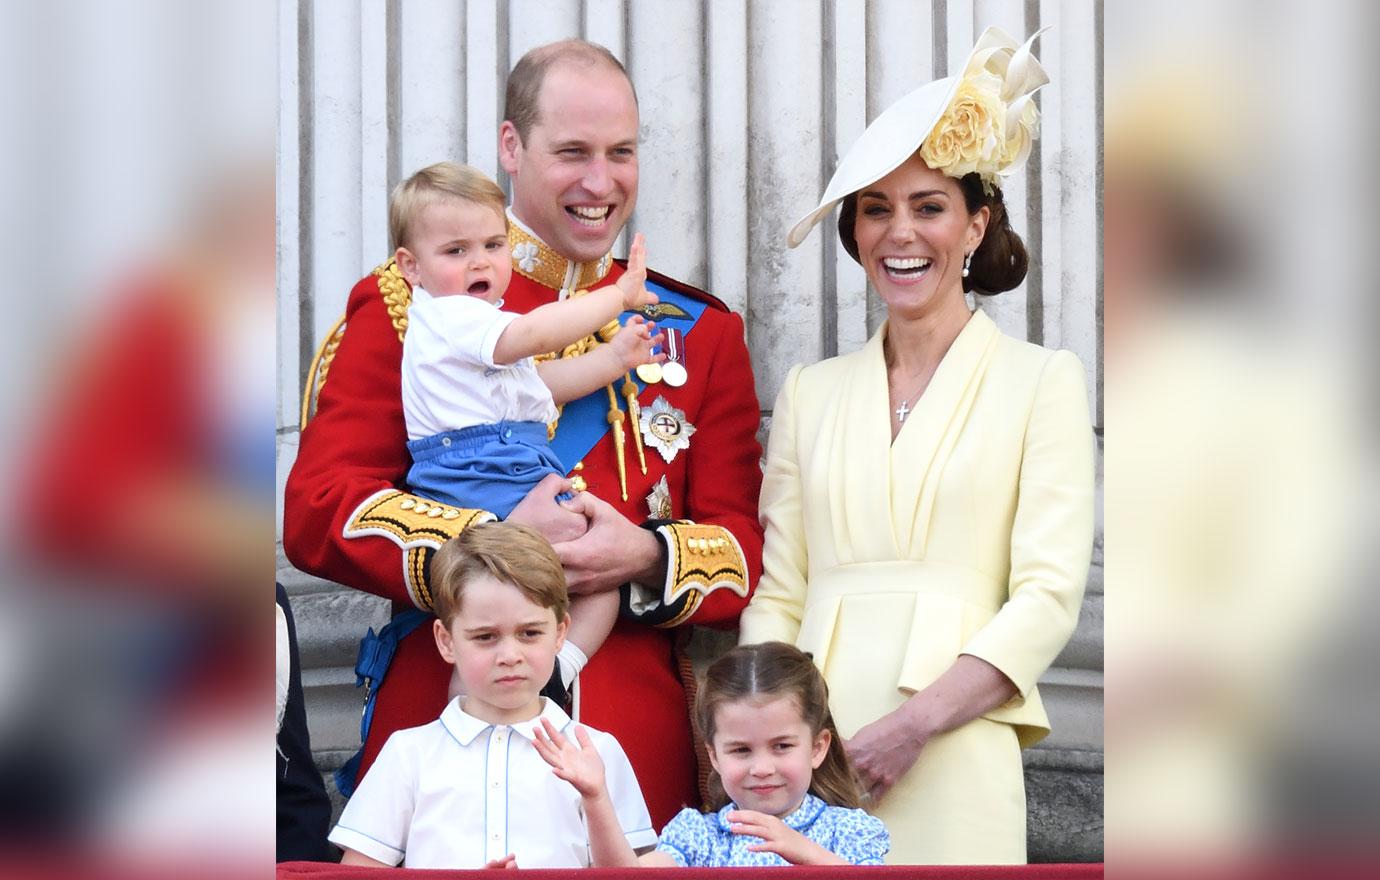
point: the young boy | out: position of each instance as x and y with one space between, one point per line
470 790
475 404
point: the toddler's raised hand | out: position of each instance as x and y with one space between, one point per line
633 281
634 343
577 761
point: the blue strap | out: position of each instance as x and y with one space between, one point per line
375 655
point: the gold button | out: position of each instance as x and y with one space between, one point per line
451 514
435 511
408 503
421 507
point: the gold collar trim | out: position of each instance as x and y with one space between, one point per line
534 259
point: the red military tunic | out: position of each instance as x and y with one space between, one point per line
347 520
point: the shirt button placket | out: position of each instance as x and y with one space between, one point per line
496 797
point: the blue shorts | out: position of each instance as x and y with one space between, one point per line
489 467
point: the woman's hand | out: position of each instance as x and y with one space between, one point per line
884 750
576 761
780 838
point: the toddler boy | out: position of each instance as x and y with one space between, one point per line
476 404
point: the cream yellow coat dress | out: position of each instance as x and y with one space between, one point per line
971 534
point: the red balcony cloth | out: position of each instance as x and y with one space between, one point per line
323 871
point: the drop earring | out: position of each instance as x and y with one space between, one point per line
967 263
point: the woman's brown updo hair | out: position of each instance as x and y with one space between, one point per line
1000 261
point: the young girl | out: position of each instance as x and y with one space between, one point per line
785 793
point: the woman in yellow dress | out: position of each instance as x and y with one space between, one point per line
928 500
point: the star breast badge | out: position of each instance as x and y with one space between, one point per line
665 428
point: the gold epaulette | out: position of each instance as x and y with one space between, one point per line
320 366
397 296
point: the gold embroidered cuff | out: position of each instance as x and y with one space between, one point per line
418 526
700 560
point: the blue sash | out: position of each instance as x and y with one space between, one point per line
584 422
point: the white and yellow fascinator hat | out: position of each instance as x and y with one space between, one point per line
982 120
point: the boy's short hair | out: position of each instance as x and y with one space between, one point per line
438 183
509 552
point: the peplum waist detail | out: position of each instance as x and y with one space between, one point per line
945 606
891 576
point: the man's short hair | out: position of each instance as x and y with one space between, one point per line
444 181
520 104
509 552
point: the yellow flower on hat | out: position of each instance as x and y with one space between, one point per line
971 135
981 120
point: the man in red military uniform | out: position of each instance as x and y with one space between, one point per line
670 463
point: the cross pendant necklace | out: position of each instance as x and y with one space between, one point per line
902 410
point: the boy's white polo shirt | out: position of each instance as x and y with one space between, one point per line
460 792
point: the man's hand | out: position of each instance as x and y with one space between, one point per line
540 511
611 553
508 861
780 838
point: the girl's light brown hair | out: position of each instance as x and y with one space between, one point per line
768 671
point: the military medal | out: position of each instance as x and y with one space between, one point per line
659 501
673 372
666 428
649 373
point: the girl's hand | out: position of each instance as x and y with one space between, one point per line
508 861
883 751
633 345
780 838
575 761
632 282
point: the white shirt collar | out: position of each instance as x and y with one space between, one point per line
465 727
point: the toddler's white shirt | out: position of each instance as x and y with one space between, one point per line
449 378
